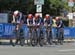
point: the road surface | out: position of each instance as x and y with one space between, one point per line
66 49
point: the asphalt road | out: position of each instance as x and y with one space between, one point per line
66 49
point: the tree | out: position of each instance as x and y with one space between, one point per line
52 7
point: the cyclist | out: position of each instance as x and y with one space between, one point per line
18 20
48 24
60 30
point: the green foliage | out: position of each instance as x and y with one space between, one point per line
52 7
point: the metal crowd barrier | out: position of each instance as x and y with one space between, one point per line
7 31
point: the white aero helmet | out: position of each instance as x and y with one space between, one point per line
47 15
57 18
16 13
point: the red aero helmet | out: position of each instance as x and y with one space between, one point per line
36 16
30 16
47 16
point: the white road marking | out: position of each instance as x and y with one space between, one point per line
66 50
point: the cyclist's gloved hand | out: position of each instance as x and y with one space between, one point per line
48 24
27 24
38 24
34 24
59 26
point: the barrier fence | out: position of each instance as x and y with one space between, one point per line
7 31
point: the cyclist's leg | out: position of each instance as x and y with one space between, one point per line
61 36
57 33
44 35
41 37
22 39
